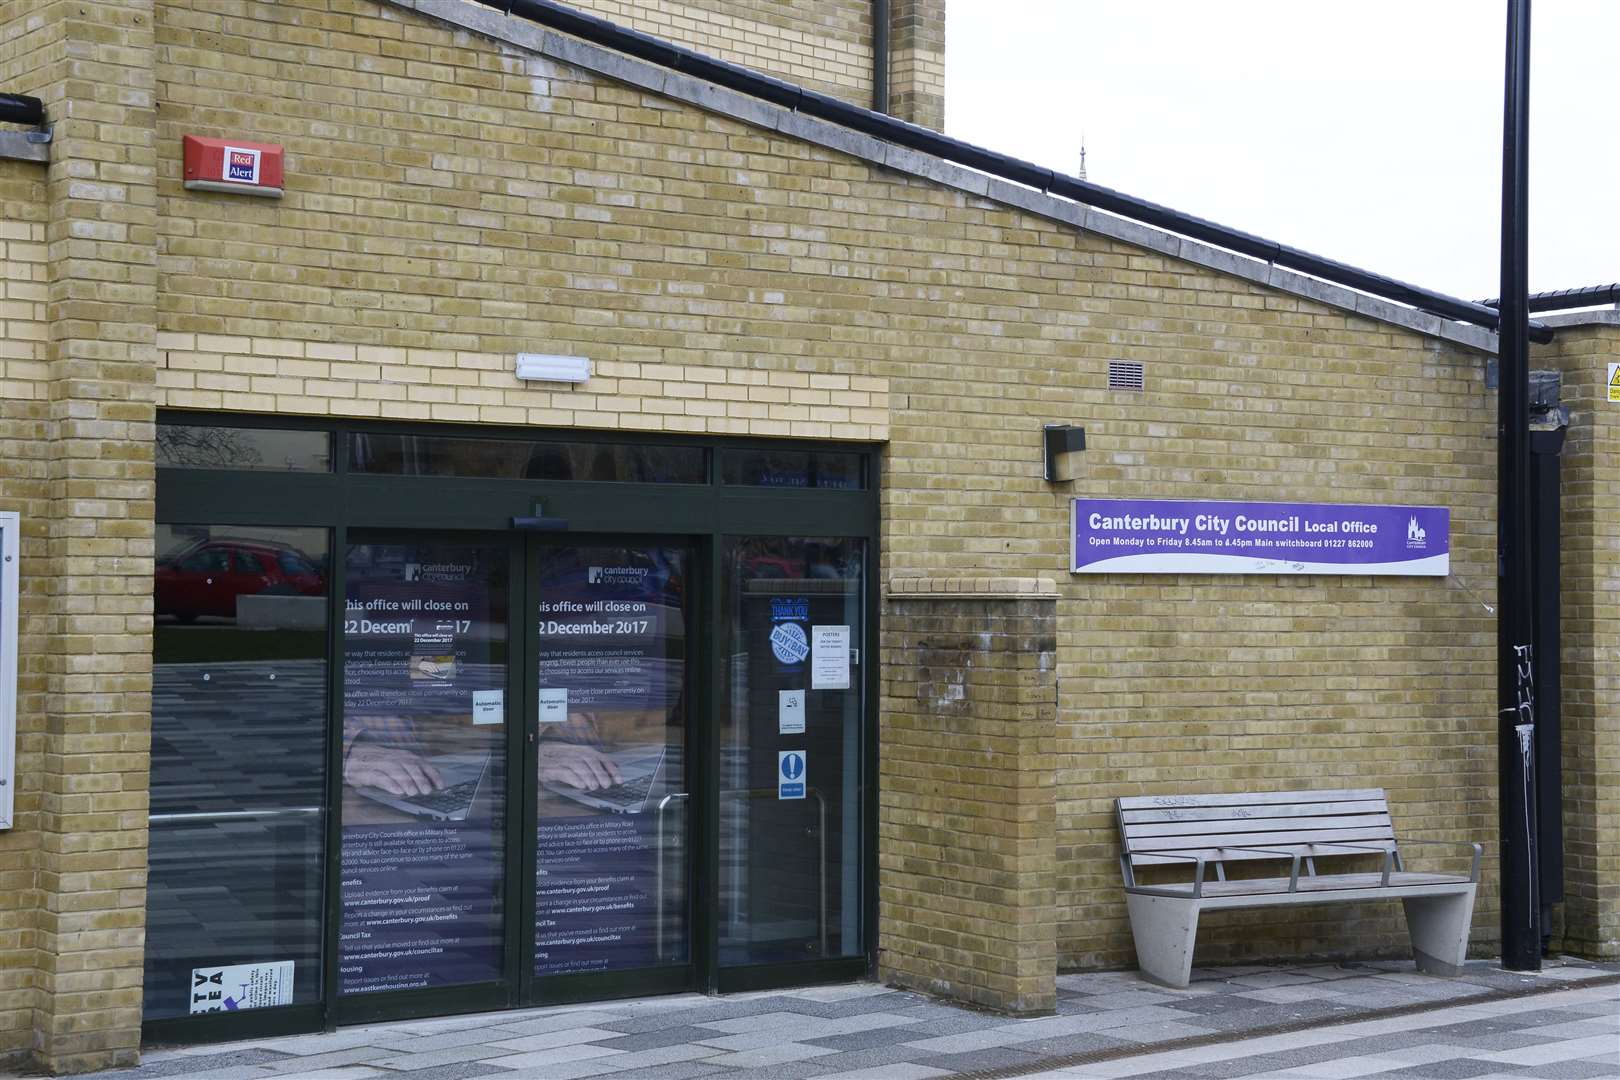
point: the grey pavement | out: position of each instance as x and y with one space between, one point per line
1313 1022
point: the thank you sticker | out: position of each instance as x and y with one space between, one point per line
790 774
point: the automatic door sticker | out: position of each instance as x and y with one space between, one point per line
790 774
789 643
553 704
489 706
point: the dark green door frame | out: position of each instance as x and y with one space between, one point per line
465 509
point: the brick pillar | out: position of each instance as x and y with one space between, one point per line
966 807
101 301
917 62
1589 595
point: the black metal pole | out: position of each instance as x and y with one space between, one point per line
880 55
1521 909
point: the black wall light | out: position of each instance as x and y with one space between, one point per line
1062 441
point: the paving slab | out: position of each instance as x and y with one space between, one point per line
1114 1021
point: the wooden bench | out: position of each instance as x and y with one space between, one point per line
1309 832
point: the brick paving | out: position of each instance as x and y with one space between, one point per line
1225 1025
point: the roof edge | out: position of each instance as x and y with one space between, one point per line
1600 317
533 38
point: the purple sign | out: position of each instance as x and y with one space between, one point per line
1163 536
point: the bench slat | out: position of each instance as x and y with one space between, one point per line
1185 858
1142 832
1289 841
1253 798
1227 813
1336 881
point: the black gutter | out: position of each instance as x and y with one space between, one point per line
21 109
880 55
924 140
1564 299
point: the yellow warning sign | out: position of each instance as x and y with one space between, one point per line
1614 383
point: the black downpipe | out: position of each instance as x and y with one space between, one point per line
880 55
1545 545
1564 299
867 121
21 109
1516 735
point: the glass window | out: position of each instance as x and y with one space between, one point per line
517 459
424 775
205 558
200 446
793 469
791 759
291 563
233 916
250 562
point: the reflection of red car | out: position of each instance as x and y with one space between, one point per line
207 577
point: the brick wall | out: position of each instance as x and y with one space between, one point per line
78 358
452 200
1199 684
468 201
825 45
917 62
242 374
966 813
1590 597
24 394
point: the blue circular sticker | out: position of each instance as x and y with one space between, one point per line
789 643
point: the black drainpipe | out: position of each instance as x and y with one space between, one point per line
657 51
21 109
880 55
1564 299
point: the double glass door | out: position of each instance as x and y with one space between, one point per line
516 798
401 772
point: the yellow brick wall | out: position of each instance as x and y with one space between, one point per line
825 45
1590 624
1189 683
450 204
24 391
917 62
242 374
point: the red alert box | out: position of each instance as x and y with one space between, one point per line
233 165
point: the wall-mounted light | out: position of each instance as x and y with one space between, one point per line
1063 441
542 368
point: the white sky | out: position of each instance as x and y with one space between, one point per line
1369 131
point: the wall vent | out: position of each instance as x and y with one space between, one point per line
1124 375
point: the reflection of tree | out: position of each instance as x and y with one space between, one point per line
205 447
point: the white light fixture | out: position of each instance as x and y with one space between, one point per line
542 368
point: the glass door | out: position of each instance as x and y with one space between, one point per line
791 851
423 851
609 748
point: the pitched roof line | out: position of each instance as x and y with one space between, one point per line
663 68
